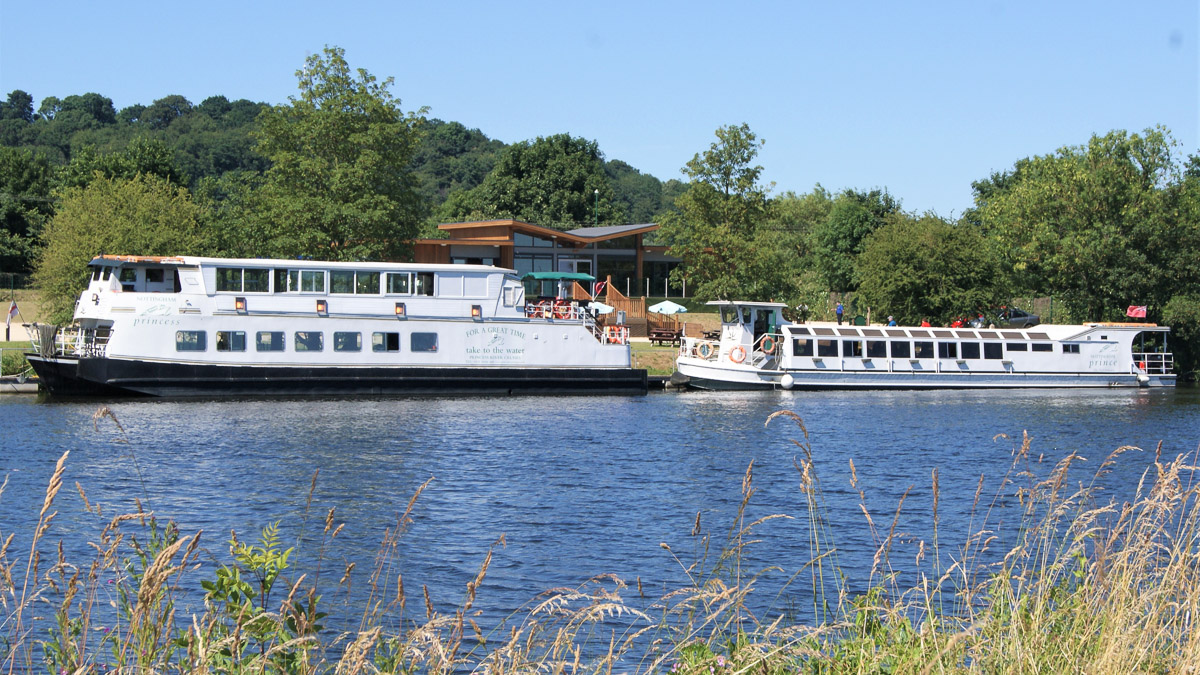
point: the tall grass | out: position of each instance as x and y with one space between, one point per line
1080 583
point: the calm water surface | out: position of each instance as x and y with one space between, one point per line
577 486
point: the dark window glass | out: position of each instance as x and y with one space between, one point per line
947 350
423 342
1016 347
923 350
970 350
229 279
128 275
991 350
191 340
876 349
309 341
231 341
387 342
347 342
827 348
154 276
1070 349
851 348
424 283
256 281
901 350
1043 347
341 281
398 282
802 347
269 341
366 283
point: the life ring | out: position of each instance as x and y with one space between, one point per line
547 311
1142 365
562 311
737 354
768 345
704 350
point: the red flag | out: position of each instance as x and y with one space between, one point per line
597 287
12 311
1136 311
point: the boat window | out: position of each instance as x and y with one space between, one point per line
919 333
729 315
256 281
269 341
229 279
347 341
309 341
398 283
892 332
851 348
306 281
824 331
128 275
872 332
190 341
970 350
95 273
923 350
746 312
799 330
1016 347
366 283
1043 347
947 350
231 341
876 349
154 276
943 334
901 350
802 347
341 281
423 342
1070 349
385 342
991 350
423 284
827 348
988 334
1038 336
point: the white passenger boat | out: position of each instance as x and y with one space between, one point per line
190 326
757 349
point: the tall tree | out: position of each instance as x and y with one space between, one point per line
551 181
1089 224
339 185
719 215
837 240
25 204
146 216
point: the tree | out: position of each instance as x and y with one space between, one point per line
164 111
714 234
1091 225
836 241
550 181
143 156
145 216
452 158
19 106
339 186
25 204
926 268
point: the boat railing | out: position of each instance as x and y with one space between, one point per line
1154 363
699 348
767 348
52 341
563 311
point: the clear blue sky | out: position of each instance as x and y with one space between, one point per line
919 98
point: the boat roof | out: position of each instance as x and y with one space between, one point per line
558 276
116 260
745 303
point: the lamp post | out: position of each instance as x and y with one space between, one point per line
596 207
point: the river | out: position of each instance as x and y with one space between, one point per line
575 486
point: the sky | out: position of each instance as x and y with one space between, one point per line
919 98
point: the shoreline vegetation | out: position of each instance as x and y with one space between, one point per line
1079 583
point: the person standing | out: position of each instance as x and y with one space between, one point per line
839 310
891 321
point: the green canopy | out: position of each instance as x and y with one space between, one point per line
558 276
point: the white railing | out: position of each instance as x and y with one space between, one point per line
564 311
1154 363
71 341
700 348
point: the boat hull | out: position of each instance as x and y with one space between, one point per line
701 377
71 377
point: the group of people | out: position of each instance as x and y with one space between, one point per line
891 320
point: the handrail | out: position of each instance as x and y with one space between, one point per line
700 348
69 341
1154 363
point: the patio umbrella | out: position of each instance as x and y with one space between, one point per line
667 307
599 307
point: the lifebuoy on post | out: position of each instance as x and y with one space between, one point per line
737 354
768 345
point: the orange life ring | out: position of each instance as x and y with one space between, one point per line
562 311
1142 365
737 354
768 345
547 311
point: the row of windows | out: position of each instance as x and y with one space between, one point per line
346 282
879 349
302 341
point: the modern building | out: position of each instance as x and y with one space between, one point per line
617 251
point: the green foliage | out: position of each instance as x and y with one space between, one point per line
1182 314
144 216
838 239
452 158
926 268
25 205
551 181
716 231
1091 225
143 156
339 187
